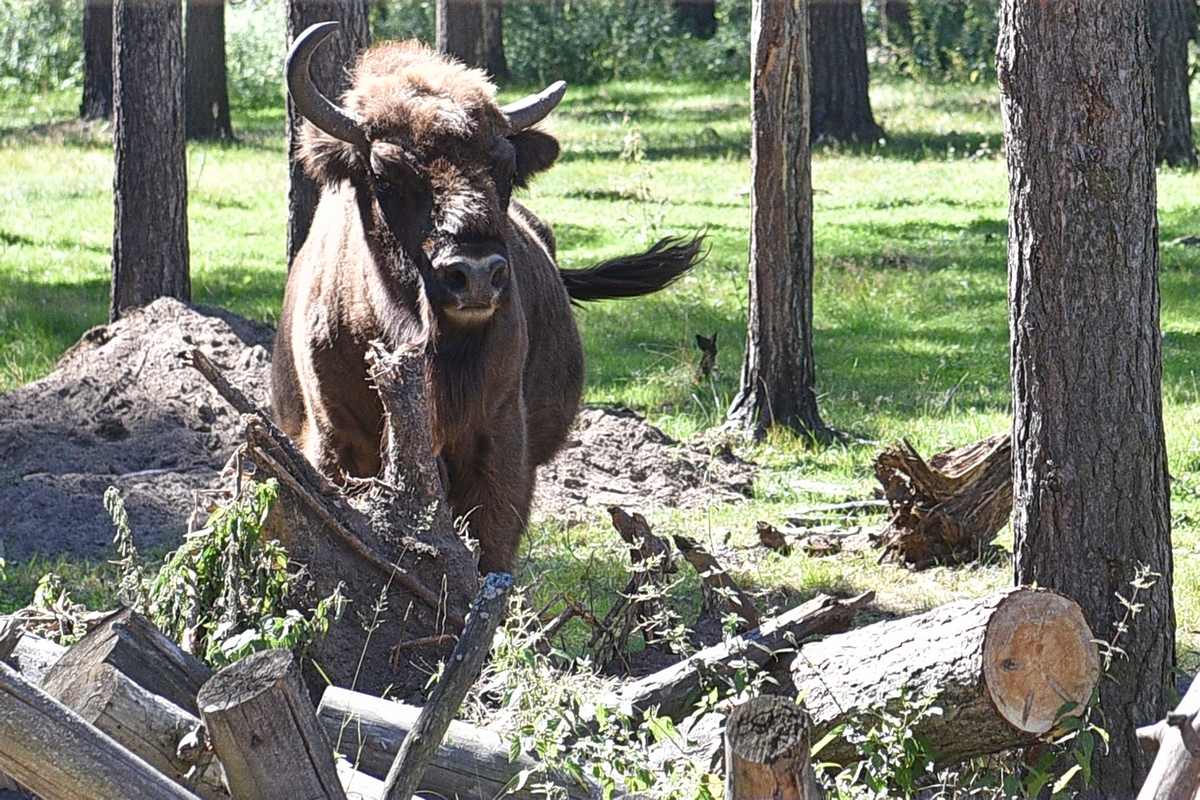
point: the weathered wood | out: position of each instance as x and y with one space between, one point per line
1175 740
672 689
949 509
148 725
33 656
1001 668
141 652
391 538
359 785
461 671
720 588
470 761
265 732
56 754
768 746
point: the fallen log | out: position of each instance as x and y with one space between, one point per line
33 656
133 646
58 755
768 751
673 690
1175 741
150 726
947 510
390 540
1000 668
265 732
470 761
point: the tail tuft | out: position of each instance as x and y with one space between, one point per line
634 276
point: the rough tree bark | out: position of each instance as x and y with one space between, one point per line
778 372
97 100
473 31
837 41
1172 26
206 91
329 69
150 237
1091 501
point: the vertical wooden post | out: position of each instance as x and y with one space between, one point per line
767 752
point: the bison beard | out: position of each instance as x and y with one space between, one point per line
416 240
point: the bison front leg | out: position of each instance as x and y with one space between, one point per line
491 486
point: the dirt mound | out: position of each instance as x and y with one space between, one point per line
123 410
614 457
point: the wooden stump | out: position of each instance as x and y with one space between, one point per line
265 732
1000 668
947 510
768 744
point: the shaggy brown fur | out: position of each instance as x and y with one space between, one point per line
417 236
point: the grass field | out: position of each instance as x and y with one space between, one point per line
910 306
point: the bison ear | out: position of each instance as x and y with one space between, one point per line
536 152
328 160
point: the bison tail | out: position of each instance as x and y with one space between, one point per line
634 276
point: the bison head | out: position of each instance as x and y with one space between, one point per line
423 137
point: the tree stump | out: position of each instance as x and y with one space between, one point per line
947 510
1000 668
768 748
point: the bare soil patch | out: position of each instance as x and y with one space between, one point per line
122 409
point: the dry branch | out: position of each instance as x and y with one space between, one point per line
265 732
1001 668
672 689
58 755
720 588
949 509
1175 741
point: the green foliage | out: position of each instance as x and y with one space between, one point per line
949 40
224 594
40 44
254 53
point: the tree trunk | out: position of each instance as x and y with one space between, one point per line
330 72
1000 667
494 60
150 239
841 104
778 373
206 90
97 60
1172 26
1091 502
472 31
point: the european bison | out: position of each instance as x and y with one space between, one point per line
416 238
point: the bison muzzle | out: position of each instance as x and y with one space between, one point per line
416 239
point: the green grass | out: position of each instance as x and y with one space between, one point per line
911 335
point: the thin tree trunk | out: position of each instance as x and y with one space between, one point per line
460 30
97 60
150 240
1091 501
778 372
330 71
206 92
1172 26
494 60
841 105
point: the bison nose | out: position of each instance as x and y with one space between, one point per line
475 282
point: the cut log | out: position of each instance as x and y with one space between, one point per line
1176 742
720 590
141 652
461 672
673 690
148 725
768 744
57 755
265 732
1000 668
470 761
947 510
389 541
33 656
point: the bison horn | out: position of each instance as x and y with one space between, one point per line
316 108
529 111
